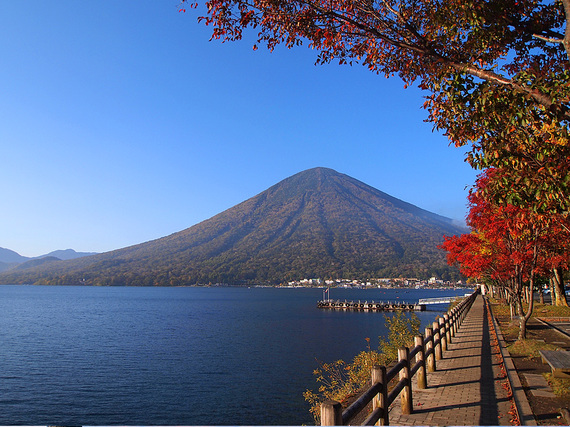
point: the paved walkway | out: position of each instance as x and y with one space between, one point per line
467 388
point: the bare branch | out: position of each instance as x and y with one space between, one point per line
548 39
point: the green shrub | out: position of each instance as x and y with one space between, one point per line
402 330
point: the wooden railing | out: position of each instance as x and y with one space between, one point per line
422 358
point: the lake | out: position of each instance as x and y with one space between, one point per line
175 356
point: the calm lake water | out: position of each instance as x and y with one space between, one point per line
174 356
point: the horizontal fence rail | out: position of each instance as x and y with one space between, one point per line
419 360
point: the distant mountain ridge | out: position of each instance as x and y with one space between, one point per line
65 254
8 256
317 223
10 259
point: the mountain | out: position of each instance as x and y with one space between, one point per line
68 254
8 256
13 260
317 223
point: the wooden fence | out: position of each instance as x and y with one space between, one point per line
422 358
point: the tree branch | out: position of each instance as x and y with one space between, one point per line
483 74
548 39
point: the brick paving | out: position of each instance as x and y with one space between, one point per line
467 388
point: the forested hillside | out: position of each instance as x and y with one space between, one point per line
317 223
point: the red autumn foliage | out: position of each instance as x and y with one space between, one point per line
508 246
507 242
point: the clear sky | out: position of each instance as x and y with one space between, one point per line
120 122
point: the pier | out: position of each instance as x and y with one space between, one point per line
369 306
441 300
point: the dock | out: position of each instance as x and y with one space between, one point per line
440 300
369 306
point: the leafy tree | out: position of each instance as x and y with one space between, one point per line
497 70
508 245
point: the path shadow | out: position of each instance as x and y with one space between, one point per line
489 415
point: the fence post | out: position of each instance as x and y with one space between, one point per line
331 413
442 334
406 395
453 320
436 337
429 346
420 357
381 399
457 320
447 328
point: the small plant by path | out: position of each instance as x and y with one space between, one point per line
560 386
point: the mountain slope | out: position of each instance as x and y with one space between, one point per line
9 256
35 262
317 223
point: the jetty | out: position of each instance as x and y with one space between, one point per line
370 305
440 300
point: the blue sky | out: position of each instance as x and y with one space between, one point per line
120 122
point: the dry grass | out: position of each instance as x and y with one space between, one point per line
547 310
526 348
529 348
501 308
560 386
511 329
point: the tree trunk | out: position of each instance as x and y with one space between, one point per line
540 295
514 299
530 307
552 291
559 286
526 316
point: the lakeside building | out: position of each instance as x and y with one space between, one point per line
388 283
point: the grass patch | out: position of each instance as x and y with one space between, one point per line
529 348
560 386
547 310
510 330
501 308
